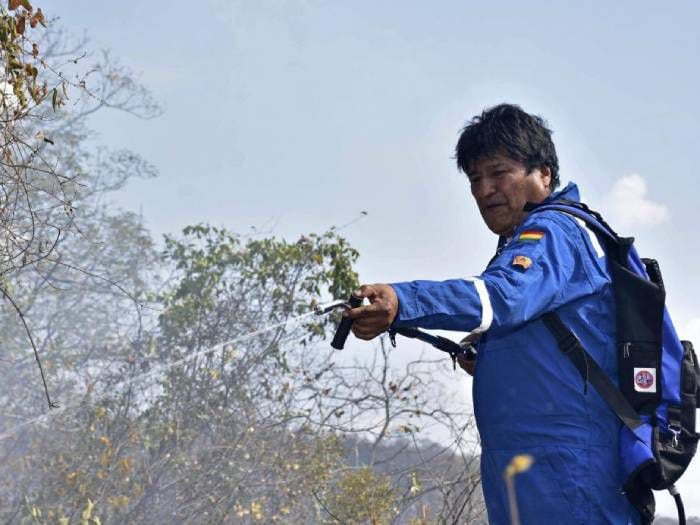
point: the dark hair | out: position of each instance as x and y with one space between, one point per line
508 129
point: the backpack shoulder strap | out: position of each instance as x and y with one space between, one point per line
566 340
570 346
579 210
619 247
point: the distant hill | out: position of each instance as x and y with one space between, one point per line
663 520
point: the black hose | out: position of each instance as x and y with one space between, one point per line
679 504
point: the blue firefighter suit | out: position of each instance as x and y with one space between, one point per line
528 396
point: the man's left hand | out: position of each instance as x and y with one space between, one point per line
375 318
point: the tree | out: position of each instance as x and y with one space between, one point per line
48 180
195 383
177 426
384 413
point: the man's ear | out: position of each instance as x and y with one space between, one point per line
545 175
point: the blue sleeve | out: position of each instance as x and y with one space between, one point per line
549 262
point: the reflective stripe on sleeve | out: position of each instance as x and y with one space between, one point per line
486 309
592 236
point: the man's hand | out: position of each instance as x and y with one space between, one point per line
371 320
465 364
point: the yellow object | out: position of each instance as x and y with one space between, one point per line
520 463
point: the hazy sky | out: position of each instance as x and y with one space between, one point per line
296 115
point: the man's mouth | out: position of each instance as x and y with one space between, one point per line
494 206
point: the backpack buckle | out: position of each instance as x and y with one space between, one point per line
626 349
676 431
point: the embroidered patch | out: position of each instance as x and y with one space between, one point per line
531 235
645 380
522 261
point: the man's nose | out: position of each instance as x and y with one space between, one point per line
483 188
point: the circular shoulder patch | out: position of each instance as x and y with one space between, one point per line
522 261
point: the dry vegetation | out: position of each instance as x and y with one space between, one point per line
170 410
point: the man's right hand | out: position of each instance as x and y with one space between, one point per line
375 318
466 364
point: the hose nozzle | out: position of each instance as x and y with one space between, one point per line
324 308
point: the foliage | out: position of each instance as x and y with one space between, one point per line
48 180
20 54
194 386
362 496
271 277
173 426
37 198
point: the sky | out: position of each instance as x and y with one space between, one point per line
291 116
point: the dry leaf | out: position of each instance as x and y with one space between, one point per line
39 15
19 26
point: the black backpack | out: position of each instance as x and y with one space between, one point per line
659 377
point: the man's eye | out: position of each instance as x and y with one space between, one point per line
474 180
499 173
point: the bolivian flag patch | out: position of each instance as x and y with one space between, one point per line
531 236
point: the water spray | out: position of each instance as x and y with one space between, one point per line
454 349
154 372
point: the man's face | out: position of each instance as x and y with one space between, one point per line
501 186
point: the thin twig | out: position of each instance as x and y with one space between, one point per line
323 506
31 340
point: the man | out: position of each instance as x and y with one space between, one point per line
528 396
